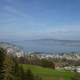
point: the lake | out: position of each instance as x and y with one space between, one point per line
49 45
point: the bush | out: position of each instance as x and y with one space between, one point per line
76 77
47 63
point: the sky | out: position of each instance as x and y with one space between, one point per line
38 19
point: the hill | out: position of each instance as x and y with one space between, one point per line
11 48
49 74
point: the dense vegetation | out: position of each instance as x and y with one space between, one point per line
14 68
34 60
11 70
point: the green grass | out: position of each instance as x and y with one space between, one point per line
49 74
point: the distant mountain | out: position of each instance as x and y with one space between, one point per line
53 40
56 41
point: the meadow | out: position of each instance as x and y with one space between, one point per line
49 74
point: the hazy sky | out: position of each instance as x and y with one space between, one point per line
32 19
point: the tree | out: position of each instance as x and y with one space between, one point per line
22 73
8 69
2 55
76 77
37 77
47 63
29 75
18 70
11 70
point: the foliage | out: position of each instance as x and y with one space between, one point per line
76 77
47 63
8 68
2 55
11 70
29 75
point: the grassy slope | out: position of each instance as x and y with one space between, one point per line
49 74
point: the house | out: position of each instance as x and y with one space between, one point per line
78 69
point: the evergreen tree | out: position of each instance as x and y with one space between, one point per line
2 55
29 75
37 77
8 68
22 73
18 70
76 77
11 70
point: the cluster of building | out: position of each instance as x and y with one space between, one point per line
75 56
73 68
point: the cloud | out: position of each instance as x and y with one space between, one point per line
14 11
66 32
33 25
12 14
55 33
9 1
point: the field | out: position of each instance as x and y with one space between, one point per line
49 74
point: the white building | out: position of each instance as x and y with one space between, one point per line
78 69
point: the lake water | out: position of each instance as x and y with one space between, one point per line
49 45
